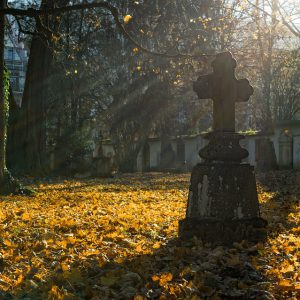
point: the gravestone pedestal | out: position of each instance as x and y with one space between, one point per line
223 204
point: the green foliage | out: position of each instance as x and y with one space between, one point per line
250 131
105 78
6 101
10 185
98 74
6 92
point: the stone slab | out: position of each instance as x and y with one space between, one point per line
223 204
223 191
223 146
223 232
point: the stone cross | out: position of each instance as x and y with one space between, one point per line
223 204
224 89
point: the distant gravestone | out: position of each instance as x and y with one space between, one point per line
102 165
167 157
265 155
146 158
223 204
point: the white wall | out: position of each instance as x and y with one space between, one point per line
192 148
296 152
194 144
155 150
139 161
275 140
249 144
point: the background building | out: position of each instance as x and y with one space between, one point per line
16 54
16 57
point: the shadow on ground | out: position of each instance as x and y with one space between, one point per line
177 270
134 182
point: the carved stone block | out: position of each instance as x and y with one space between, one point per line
223 203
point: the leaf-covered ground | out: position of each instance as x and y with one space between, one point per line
117 239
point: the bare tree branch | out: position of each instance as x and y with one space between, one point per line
292 28
37 13
21 29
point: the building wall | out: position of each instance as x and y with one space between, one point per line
139 161
291 128
192 147
251 159
249 143
296 152
155 150
16 66
16 57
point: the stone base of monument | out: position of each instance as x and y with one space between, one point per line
223 232
223 204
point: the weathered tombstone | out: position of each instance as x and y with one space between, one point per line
223 204
102 165
167 156
265 155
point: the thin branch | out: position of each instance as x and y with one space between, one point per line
293 30
37 13
21 29
292 27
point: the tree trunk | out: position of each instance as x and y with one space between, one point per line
32 122
266 45
13 149
33 115
7 183
2 100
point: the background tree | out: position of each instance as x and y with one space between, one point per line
2 98
104 78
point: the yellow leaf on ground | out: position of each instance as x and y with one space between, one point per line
139 248
287 268
285 284
26 217
8 243
156 245
163 278
71 240
19 280
55 293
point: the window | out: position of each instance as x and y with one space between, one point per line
14 83
9 54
